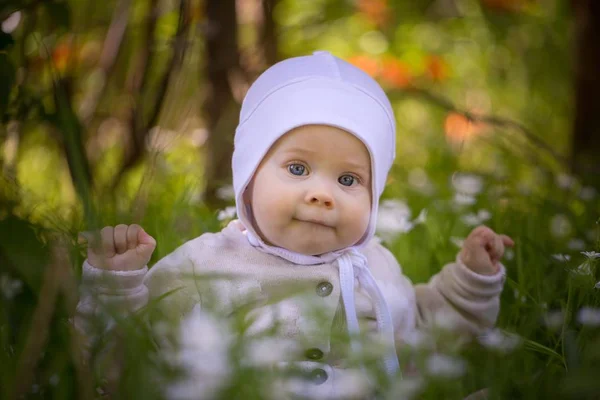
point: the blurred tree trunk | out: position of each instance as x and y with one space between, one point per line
268 33
585 154
220 108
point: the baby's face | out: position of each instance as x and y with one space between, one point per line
312 192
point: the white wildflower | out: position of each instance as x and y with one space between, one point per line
54 379
418 339
561 257
421 218
583 269
589 316
498 340
484 215
444 366
470 219
554 319
10 287
576 244
417 178
203 355
458 242
393 218
468 184
464 199
587 193
560 226
268 351
509 254
597 285
591 254
521 297
352 384
565 181
225 192
226 214
445 320
12 22
407 388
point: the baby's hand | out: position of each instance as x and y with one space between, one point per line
119 248
483 249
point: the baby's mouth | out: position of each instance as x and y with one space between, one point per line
314 221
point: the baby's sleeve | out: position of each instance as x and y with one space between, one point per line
468 301
105 294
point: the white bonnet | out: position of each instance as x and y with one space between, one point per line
315 89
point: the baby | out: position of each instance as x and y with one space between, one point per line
314 144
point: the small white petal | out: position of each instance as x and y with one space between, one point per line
565 181
589 316
509 254
583 269
554 319
203 355
484 215
421 218
470 219
561 257
464 199
587 193
227 214
393 218
407 388
591 254
443 366
597 285
576 244
560 226
226 193
12 22
499 340
458 242
468 184
10 287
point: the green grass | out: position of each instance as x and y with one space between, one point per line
551 361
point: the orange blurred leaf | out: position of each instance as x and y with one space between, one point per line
395 73
375 11
436 68
368 64
459 128
60 56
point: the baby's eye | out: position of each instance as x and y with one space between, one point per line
297 169
347 180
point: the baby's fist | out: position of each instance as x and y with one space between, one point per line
483 249
119 248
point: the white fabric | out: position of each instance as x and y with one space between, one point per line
320 89
352 264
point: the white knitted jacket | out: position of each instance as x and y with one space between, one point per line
223 272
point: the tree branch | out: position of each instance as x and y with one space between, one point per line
490 120
139 129
108 57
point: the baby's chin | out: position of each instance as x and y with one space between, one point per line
313 248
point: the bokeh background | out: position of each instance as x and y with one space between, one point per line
123 111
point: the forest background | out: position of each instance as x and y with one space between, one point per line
123 111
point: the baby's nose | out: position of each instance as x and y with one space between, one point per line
320 198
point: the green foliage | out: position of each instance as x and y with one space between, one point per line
515 65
